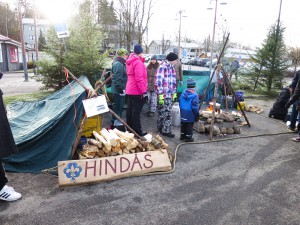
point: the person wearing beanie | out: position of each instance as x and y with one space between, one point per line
189 110
7 148
166 88
136 89
118 84
137 49
154 57
178 70
152 96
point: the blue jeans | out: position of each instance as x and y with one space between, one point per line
118 105
294 115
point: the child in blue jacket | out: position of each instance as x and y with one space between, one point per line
189 110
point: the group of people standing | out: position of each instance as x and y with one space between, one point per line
155 84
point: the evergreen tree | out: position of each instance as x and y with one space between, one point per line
108 21
9 25
41 41
51 69
83 55
270 60
80 52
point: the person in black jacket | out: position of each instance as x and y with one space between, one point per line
278 111
294 113
7 147
295 97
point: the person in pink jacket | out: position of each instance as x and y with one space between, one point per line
136 89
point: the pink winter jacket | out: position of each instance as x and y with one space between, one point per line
137 83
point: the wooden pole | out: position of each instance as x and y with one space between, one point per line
238 102
112 112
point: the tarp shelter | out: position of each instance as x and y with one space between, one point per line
45 130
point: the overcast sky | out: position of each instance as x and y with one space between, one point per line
248 21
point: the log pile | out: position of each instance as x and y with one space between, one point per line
114 142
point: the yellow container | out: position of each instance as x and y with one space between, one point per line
242 105
93 123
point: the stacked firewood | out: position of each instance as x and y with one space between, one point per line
114 142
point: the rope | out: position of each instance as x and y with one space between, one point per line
53 169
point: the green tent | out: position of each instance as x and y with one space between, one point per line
45 130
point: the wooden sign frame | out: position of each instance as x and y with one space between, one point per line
84 171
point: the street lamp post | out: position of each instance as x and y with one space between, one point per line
22 42
213 34
179 31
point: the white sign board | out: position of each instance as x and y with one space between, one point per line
61 30
85 171
95 106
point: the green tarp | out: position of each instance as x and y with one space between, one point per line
45 130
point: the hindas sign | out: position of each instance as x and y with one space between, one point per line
84 171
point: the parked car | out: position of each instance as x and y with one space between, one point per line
202 61
161 57
185 60
224 62
194 61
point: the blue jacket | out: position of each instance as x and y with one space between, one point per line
189 105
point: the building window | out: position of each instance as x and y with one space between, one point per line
31 37
31 27
13 54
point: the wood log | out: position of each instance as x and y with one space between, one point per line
95 142
115 136
124 135
103 141
108 137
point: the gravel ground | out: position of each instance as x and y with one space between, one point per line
14 84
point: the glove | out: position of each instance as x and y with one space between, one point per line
123 93
287 105
174 97
197 117
180 83
145 97
119 90
161 99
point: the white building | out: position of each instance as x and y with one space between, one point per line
239 54
186 49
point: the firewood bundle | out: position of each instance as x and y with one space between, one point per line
115 142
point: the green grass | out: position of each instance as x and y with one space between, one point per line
26 97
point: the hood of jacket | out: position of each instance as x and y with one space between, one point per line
134 58
153 66
188 93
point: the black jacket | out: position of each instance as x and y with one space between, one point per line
295 80
279 104
7 143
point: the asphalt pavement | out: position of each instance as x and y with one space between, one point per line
251 178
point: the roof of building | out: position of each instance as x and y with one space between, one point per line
175 44
38 21
4 39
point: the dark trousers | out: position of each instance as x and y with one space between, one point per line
118 105
186 130
3 179
135 105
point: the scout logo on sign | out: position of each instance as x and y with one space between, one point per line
72 171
